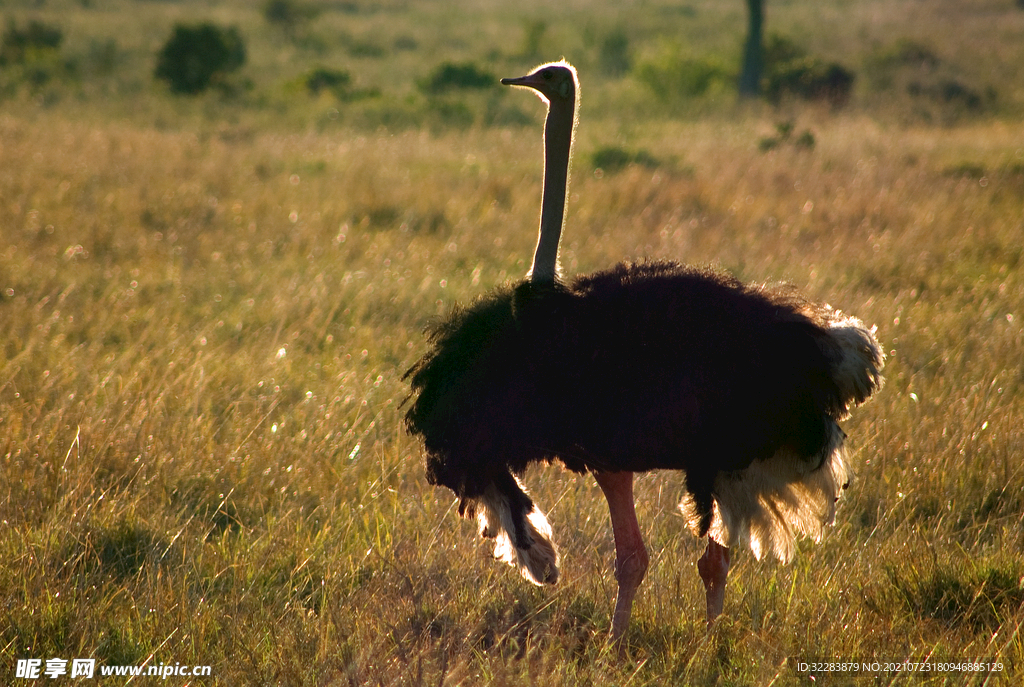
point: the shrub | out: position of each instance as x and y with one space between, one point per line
791 72
784 134
450 76
932 88
779 50
888 67
23 45
405 43
335 80
673 75
197 55
811 79
907 52
365 48
287 14
103 56
30 56
613 159
950 92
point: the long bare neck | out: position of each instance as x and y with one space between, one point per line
557 147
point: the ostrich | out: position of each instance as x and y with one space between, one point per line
645 366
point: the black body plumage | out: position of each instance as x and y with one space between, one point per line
641 367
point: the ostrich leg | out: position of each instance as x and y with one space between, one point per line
630 553
713 567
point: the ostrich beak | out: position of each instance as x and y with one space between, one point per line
528 81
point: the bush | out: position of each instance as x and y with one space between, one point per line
335 80
288 14
889 66
365 48
790 71
30 56
23 45
195 56
932 89
779 49
909 53
784 134
673 75
811 79
612 159
950 92
450 76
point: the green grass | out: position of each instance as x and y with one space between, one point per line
208 304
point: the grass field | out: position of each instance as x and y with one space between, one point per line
207 305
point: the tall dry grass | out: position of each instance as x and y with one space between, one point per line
207 307
203 458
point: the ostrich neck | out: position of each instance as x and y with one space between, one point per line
557 147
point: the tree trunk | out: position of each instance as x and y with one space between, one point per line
753 63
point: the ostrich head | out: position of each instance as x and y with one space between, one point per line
557 86
555 82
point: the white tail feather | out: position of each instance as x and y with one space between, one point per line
538 563
772 502
859 373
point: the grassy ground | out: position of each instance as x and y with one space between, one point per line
208 304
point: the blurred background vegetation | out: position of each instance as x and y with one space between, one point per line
402 64
224 226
